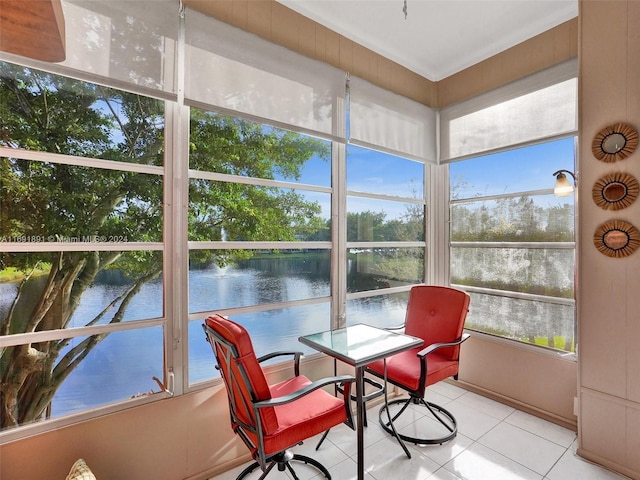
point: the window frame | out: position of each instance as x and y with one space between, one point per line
354 244
335 150
75 332
176 246
528 245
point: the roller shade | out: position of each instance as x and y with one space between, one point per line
236 71
125 44
387 121
542 105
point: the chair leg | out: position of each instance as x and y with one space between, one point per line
441 414
284 462
255 465
450 422
310 461
324 435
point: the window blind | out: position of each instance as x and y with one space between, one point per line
124 44
542 105
384 120
237 71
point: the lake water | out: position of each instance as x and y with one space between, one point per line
124 363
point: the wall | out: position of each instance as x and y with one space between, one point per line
537 53
166 440
609 304
529 379
278 24
533 380
189 437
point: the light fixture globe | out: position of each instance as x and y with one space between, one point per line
563 186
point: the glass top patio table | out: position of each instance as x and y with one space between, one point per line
360 344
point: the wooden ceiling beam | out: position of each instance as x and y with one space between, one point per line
33 28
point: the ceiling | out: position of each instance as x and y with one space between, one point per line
439 37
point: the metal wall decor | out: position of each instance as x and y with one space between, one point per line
616 238
615 191
615 142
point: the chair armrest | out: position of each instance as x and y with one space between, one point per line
273 402
435 346
296 358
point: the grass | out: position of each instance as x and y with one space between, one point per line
559 343
13 275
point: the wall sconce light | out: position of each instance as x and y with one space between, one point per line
563 187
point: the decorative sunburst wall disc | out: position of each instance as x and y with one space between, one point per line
615 142
615 191
616 238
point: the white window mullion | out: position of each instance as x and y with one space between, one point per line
176 263
437 181
339 235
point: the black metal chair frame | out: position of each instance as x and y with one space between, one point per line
283 458
416 397
339 388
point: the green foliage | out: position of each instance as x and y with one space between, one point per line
556 342
12 274
386 265
237 211
511 220
370 226
49 201
513 285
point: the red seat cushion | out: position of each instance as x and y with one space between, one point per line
404 368
435 314
308 416
285 425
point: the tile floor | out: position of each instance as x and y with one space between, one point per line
494 442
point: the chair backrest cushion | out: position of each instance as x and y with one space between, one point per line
437 314
243 376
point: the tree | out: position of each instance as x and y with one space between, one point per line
49 200
560 223
367 226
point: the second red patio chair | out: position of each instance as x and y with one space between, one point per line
437 315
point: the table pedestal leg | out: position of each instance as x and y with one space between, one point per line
360 413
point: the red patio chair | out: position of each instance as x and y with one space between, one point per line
270 419
437 315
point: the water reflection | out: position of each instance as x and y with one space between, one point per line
121 366
125 363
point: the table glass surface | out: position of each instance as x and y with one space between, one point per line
360 344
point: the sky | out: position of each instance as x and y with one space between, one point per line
519 170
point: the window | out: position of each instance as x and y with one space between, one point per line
81 224
260 232
385 233
512 243
95 288
308 208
